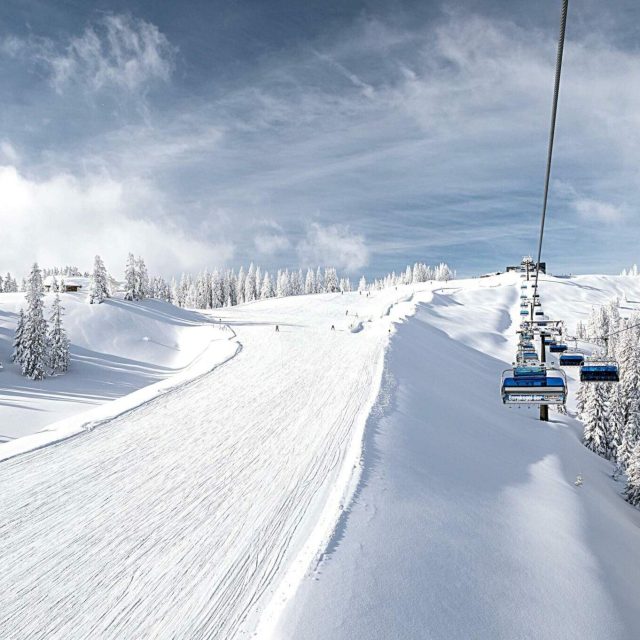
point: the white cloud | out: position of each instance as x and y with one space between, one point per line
599 211
8 152
116 51
335 246
65 220
270 243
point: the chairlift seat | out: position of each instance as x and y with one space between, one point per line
599 371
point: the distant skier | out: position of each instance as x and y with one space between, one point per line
333 328
277 329
346 313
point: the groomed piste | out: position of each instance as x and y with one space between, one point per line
244 501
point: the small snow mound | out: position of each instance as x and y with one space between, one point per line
356 327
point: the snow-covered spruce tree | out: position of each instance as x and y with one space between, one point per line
581 395
310 282
34 334
231 288
266 290
330 280
283 287
250 292
141 280
58 342
319 281
362 285
99 289
596 428
130 278
240 286
10 284
616 421
18 340
217 290
632 490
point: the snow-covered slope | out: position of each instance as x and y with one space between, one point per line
197 514
467 522
117 347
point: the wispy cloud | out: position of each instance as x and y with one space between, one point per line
598 211
116 51
333 245
426 141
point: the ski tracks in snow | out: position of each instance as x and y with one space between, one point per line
178 518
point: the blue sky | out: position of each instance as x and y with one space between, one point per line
366 135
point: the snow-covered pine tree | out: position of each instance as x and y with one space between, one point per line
141 280
596 428
283 284
625 448
240 286
632 490
250 284
34 346
58 342
319 281
615 419
266 290
231 286
298 283
217 290
18 340
581 395
330 280
130 278
310 282
10 284
362 285
99 289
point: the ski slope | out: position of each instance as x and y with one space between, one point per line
175 519
467 522
202 512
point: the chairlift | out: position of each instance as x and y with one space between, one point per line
571 360
558 347
599 370
533 385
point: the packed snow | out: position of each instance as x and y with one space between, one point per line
241 501
468 522
117 347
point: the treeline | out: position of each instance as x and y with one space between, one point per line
226 288
611 411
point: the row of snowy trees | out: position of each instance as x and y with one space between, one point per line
221 288
8 284
632 271
611 411
411 275
211 290
40 348
69 271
